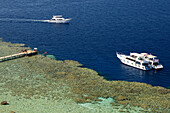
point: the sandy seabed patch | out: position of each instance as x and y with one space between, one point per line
22 105
44 105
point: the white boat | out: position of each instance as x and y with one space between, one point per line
153 59
58 19
135 60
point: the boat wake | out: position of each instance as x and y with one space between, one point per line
21 20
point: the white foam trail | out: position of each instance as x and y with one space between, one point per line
22 20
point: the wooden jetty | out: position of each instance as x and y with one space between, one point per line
21 54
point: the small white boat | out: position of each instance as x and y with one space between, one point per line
153 59
135 60
58 19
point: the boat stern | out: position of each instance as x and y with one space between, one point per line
67 20
158 66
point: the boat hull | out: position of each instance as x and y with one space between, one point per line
130 63
66 21
135 66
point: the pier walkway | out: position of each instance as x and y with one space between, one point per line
21 54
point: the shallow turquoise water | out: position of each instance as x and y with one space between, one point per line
98 29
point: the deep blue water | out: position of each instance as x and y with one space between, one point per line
98 29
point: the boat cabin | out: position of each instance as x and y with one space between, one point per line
137 56
145 63
134 55
57 17
150 57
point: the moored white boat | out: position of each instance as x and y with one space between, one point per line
135 60
58 19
